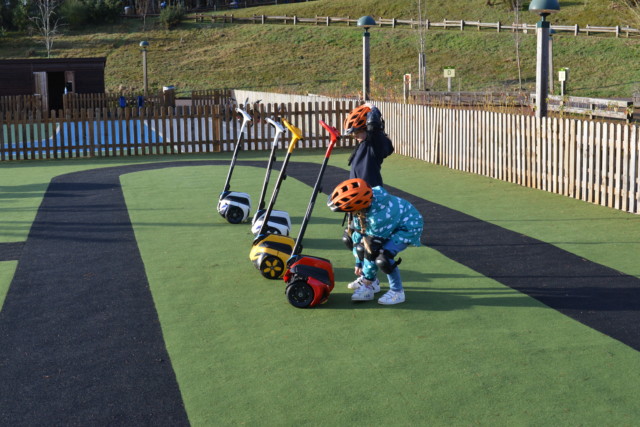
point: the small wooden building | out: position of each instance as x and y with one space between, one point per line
50 78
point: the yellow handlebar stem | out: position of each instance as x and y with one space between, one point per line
296 135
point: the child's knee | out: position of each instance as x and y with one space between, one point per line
386 263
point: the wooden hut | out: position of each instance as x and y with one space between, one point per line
51 78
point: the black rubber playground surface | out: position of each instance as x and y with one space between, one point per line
80 338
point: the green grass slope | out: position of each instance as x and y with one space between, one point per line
581 12
327 60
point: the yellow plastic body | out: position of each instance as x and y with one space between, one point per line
271 254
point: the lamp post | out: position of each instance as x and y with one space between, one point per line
551 33
543 8
144 45
365 22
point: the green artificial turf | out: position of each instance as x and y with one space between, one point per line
462 350
7 269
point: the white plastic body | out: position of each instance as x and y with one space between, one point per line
278 220
235 198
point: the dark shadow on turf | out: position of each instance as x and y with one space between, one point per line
80 340
593 294
11 251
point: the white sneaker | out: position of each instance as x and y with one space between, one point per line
358 282
363 293
391 297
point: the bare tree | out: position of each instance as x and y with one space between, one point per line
517 4
514 5
422 58
144 7
47 22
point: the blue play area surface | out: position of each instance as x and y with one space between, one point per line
65 139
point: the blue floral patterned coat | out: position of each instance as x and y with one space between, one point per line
390 217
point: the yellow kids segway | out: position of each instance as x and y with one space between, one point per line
270 252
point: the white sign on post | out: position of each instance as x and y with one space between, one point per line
449 73
563 74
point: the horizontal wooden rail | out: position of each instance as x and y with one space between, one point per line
412 23
506 99
592 107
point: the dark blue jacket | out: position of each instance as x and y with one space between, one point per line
366 159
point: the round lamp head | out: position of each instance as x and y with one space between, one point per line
144 44
366 22
544 6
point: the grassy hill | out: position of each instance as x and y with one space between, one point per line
327 60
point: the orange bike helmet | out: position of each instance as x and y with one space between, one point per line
357 119
350 196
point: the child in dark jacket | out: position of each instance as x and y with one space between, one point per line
366 124
383 225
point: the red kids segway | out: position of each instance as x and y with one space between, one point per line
309 280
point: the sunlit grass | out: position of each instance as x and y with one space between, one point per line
327 60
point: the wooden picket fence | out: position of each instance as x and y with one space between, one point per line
594 161
210 97
106 132
82 101
20 103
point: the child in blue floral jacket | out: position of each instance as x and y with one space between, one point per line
383 226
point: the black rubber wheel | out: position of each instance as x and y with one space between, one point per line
271 267
299 294
234 215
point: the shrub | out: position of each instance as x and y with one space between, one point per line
80 13
171 16
75 13
20 16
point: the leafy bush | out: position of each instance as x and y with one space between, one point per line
106 11
171 16
80 13
75 13
20 16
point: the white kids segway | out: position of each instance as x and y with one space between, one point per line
232 205
279 221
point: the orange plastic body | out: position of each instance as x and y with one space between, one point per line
317 272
